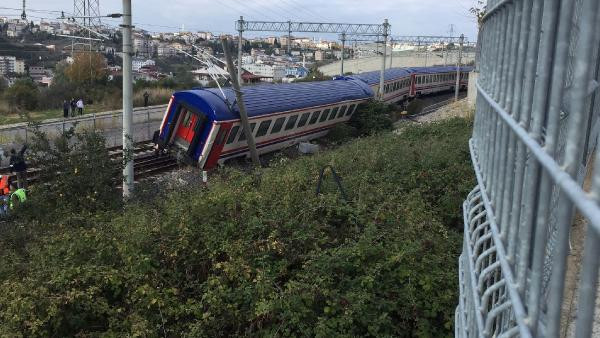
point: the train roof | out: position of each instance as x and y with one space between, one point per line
372 78
266 99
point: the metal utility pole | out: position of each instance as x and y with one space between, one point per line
381 77
89 12
240 42
24 15
343 44
127 101
460 48
240 102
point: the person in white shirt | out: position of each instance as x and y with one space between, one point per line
80 106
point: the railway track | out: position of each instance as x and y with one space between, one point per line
146 163
434 107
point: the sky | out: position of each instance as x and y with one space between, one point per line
407 17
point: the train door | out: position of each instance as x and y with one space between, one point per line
189 129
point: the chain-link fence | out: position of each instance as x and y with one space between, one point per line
145 121
534 141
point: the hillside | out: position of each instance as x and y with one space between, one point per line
258 253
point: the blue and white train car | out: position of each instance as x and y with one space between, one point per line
206 126
401 84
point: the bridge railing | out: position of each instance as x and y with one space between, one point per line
534 141
145 121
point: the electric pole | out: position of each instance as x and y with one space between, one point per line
343 44
240 102
381 76
462 39
240 42
127 101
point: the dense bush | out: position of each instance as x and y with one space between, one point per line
258 254
371 117
415 107
22 95
76 174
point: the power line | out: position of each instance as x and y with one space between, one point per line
240 2
306 9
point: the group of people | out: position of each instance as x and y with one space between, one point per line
11 194
71 108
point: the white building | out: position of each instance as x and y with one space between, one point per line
143 46
204 35
164 49
205 74
7 64
138 63
19 66
276 72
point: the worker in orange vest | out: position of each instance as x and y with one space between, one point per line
4 193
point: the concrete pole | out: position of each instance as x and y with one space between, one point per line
240 30
444 53
240 102
289 44
343 43
381 77
127 102
391 52
462 39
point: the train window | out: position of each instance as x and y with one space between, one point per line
351 109
291 122
220 136
324 116
263 127
303 120
277 125
242 136
333 113
233 134
343 110
314 117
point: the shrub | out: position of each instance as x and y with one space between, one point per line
415 107
22 95
371 117
76 174
258 253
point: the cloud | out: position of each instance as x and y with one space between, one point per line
408 17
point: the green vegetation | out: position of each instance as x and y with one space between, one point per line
415 106
254 253
85 78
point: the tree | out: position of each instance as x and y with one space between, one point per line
22 95
478 11
87 67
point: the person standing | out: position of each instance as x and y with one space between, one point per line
4 194
73 106
18 165
66 107
146 96
80 107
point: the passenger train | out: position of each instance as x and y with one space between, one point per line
204 124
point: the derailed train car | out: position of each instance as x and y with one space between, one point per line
204 124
